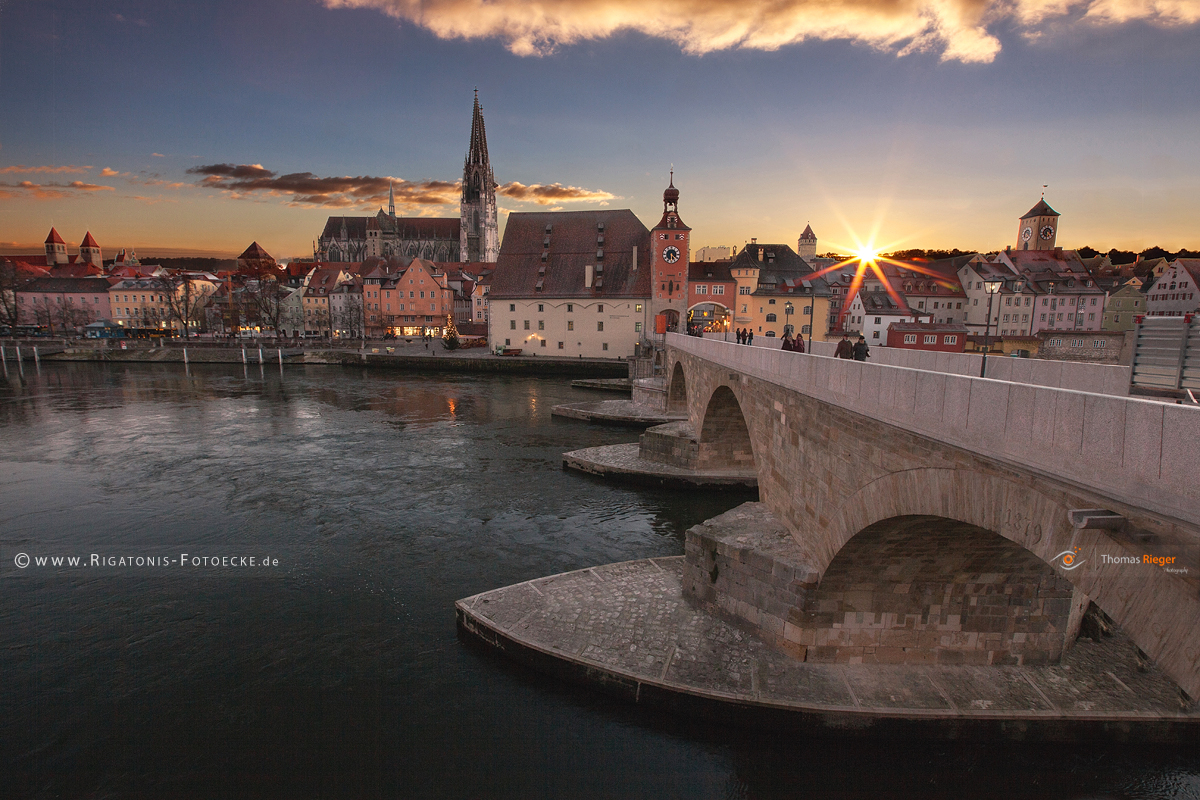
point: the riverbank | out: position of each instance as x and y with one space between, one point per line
626 630
414 358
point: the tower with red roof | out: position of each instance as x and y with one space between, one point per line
56 249
670 251
89 251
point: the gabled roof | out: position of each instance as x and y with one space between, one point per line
410 228
779 269
1041 210
54 238
569 241
808 233
66 286
88 241
710 271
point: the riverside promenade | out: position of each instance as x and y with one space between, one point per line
626 630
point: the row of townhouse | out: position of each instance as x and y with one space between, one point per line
67 305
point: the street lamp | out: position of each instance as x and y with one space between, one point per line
788 308
992 287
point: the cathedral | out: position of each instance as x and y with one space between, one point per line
471 236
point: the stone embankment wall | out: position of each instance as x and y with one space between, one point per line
673 443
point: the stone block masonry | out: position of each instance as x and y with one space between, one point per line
673 443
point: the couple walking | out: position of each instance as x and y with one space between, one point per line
857 351
745 336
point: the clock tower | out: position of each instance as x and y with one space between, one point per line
670 252
1038 228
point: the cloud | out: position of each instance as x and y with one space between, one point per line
49 191
20 168
955 29
307 189
548 194
158 155
123 19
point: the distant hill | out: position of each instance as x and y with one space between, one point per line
193 264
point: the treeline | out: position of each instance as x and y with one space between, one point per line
1115 256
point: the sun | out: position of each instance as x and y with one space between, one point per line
867 254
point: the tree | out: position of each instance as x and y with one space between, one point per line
1087 252
450 338
267 298
186 296
9 282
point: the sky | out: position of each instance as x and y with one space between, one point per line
196 128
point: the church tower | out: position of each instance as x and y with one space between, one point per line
669 256
479 235
56 249
89 251
806 246
1038 228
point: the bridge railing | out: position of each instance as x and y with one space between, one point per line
1111 379
1141 452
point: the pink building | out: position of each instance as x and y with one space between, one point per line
63 304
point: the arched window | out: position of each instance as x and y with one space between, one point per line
770 317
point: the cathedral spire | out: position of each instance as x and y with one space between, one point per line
479 236
391 200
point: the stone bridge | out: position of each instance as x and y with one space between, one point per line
913 516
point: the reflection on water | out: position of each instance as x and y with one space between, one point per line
384 497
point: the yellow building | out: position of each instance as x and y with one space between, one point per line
775 289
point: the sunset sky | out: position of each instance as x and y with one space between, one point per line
199 127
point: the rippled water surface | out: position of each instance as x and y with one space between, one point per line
383 497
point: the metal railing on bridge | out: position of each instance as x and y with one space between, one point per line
1166 353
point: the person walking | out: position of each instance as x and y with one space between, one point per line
844 348
786 346
741 335
749 336
861 351
798 345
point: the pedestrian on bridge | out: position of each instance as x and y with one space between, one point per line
749 336
861 351
844 349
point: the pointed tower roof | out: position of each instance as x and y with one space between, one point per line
808 233
255 251
1041 210
54 238
88 241
477 153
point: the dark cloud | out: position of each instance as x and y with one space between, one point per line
307 189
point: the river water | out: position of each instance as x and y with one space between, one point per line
378 499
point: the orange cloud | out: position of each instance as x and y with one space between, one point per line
18 168
306 189
547 194
48 191
956 29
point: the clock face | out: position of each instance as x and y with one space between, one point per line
1026 234
1047 232
671 254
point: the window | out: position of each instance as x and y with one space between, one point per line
702 289
874 334
717 290
637 327
806 329
637 307
600 308
570 324
560 345
743 290
1006 317
1097 343
600 326
604 346
507 342
512 306
770 317
1077 343
571 308
950 339
540 309
543 344
771 302
1056 342
541 325
878 320
526 324
931 338
910 338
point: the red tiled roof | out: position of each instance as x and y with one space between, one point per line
570 246
54 238
88 241
255 251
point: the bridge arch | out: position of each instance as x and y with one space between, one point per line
1037 522
922 589
677 400
724 435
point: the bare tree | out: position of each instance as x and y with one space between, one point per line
186 296
266 297
9 281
